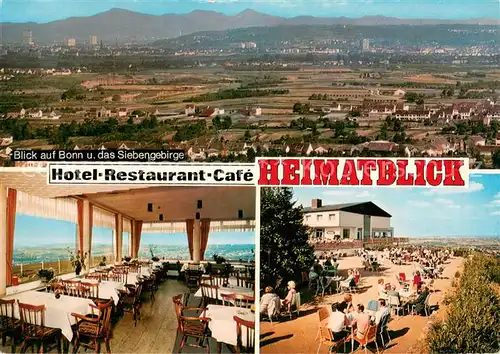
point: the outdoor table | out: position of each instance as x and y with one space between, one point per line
57 311
223 326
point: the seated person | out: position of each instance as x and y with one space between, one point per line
361 321
347 304
266 299
381 287
335 264
348 282
291 294
337 321
417 280
382 311
328 262
419 302
312 274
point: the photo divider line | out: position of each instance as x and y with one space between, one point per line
257 269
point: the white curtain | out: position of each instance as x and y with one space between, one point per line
64 209
103 218
127 225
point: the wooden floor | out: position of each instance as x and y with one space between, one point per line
156 332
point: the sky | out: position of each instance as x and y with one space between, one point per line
50 10
33 231
419 212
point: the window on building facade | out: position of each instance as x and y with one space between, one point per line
319 234
319 217
345 233
331 217
308 217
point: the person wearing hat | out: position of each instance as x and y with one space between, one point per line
291 293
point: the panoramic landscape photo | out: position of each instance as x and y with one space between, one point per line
399 269
231 80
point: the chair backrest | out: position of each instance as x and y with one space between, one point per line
384 321
95 276
32 317
427 299
402 276
296 300
356 279
245 343
83 290
394 300
209 292
371 334
93 289
7 308
105 309
372 305
178 305
243 300
228 299
218 280
325 334
323 314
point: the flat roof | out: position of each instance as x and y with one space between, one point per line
364 208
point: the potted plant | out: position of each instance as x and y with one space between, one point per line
152 250
102 263
46 275
77 260
219 259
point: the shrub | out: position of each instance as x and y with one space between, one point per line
473 322
457 274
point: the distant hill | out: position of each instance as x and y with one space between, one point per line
126 26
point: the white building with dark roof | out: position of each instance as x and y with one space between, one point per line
351 221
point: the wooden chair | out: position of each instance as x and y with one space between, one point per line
294 305
94 276
242 300
245 282
196 328
90 332
210 294
193 279
57 287
9 326
34 331
217 280
130 301
326 338
228 299
370 337
93 290
382 329
70 286
120 276
247 327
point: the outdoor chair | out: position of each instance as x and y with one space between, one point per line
395 304
372 305
210 294
326 338
247 327
9 326
294 305
323 314
34 331
370 337
382 329
195 328
427 308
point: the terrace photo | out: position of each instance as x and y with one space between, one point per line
399 270
125 268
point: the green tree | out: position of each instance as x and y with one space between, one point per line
285 252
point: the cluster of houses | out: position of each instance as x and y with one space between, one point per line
33 114
10 73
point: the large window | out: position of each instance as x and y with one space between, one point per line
126 244
168 245
42 243
102 237
232 245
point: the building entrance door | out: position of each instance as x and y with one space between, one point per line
366 226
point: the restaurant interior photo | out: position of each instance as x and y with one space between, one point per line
125 269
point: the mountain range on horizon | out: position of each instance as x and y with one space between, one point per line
127 26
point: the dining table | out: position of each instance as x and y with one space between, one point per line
57 310
222 324
226 290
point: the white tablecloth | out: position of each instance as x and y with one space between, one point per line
223 326
232 280
58 311
108 289
229 290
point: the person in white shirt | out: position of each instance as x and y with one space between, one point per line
266 299
337 321
382 311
